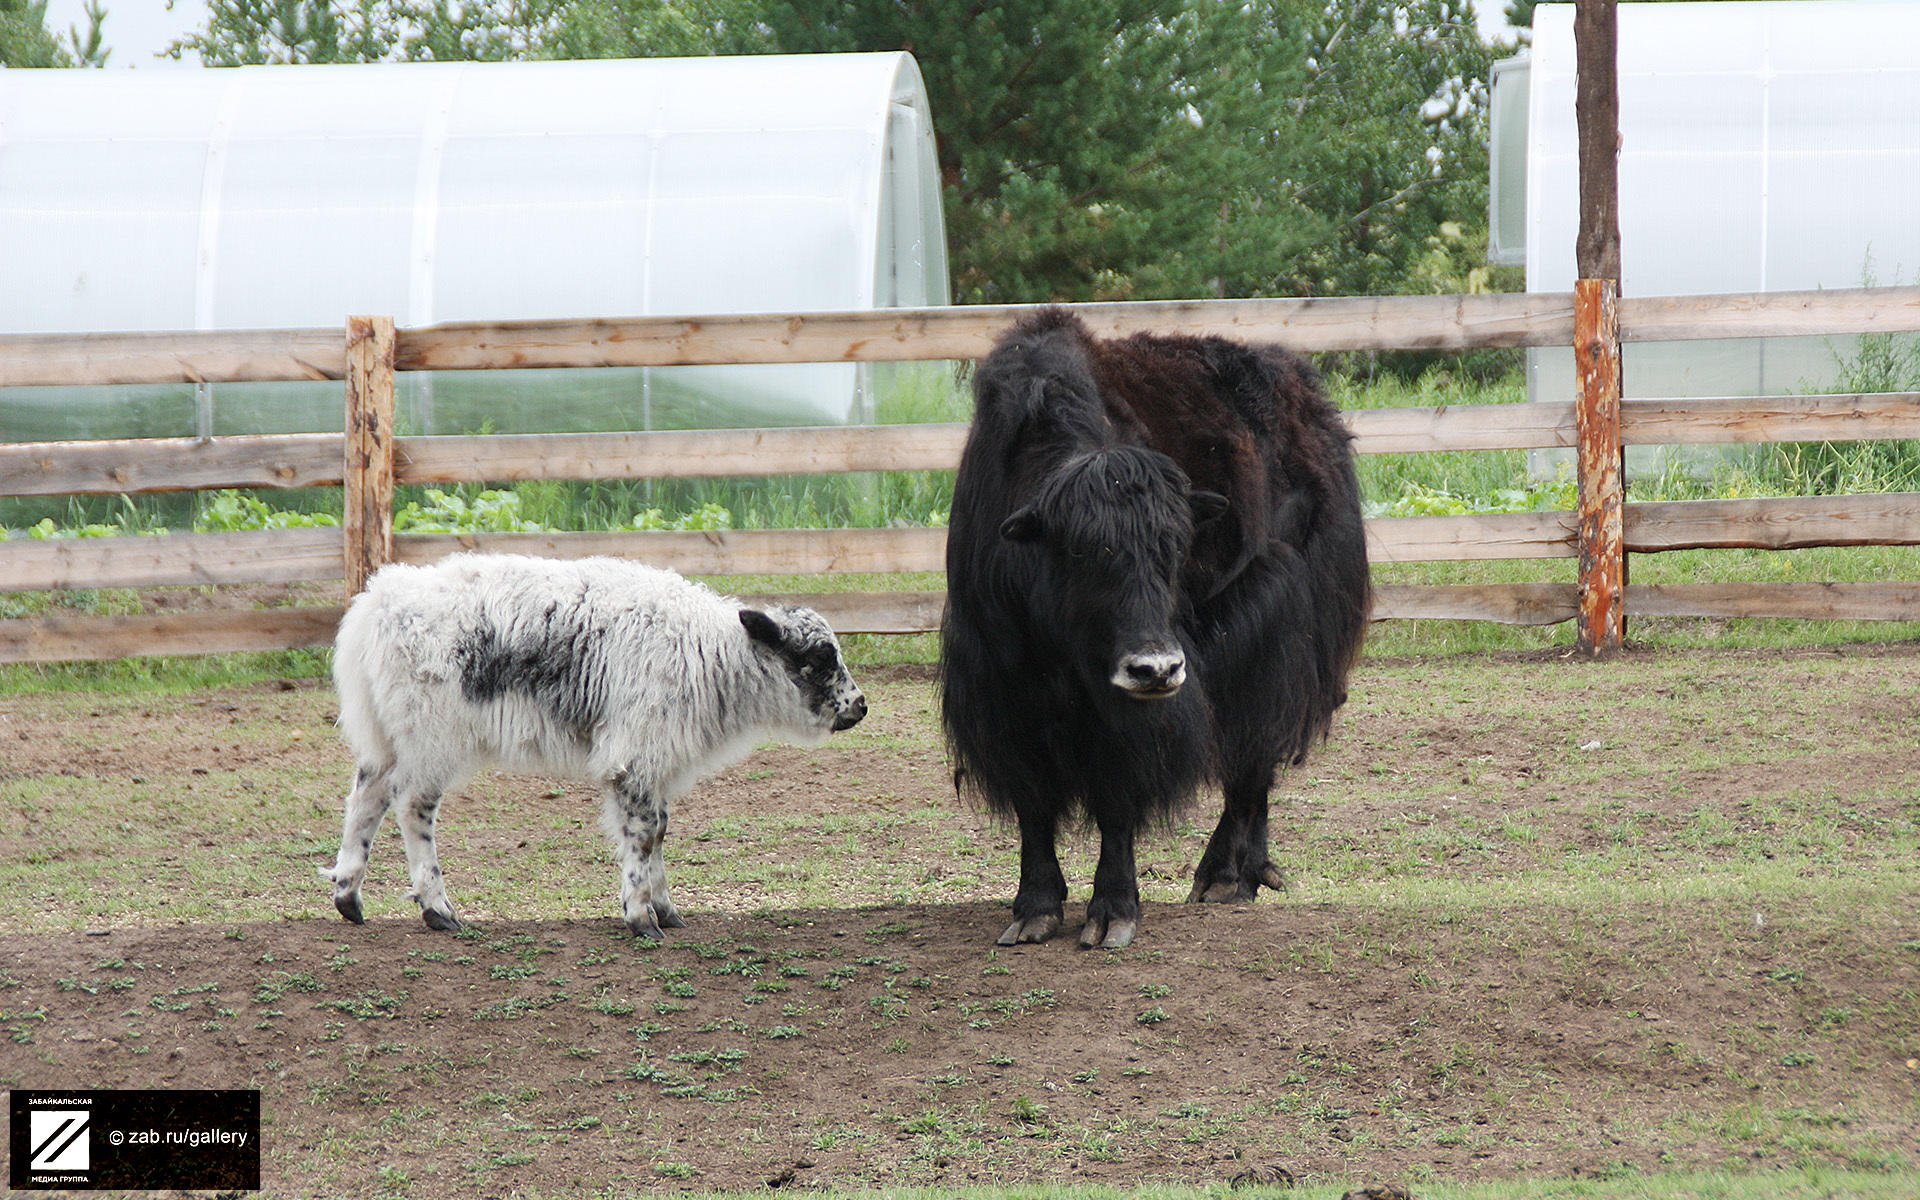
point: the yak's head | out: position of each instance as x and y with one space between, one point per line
824 695
1110 531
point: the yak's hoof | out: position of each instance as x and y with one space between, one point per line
647 930
1032 929
1237 890
1114 933
349 907
670 918
444 922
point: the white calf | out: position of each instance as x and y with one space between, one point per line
594 669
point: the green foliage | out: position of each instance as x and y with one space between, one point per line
489 511
708 516
25 40
1878 362
1419 500
1089 149
233 512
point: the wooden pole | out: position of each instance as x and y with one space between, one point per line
1602 489
368 520
1596 336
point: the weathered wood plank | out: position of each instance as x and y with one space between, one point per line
1770 314
1461 427
1336 323
1734 419
729 552
868 612
691 454
1474 536
1787 523
268 556
1879 601
146 465
1507 603
1332 323
186 356
93 639
368 467
303 460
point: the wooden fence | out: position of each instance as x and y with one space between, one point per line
368 461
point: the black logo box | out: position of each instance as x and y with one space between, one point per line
140 1140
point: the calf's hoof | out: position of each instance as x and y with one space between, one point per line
349 907
445 922
1031 929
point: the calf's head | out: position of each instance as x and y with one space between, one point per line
823 696
1110 532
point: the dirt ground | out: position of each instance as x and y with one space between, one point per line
1548 919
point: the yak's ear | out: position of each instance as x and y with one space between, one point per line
760 627
1207 506
1022 526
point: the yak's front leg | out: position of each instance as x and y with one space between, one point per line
1043 888
1114 912
636 817
1236 863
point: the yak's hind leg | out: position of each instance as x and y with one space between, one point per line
636 818
1043 887
419 809
1236 863
366 807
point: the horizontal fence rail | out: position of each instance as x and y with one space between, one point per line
920 334
290 461
309 460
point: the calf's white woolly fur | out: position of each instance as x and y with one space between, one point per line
597 669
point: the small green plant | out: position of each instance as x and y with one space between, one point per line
490 511
707 517
1153 1016
237 512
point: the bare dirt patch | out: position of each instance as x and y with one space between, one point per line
1548 918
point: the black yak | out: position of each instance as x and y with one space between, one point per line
1157 579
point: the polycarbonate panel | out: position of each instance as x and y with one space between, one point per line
1507 185
294 196
97 237
343 208
1765 146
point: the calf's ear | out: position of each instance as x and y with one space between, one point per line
1022 526
760 627
1207 506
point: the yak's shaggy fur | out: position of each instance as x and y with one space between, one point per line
1156 578
597 669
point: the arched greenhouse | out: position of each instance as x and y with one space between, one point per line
267 197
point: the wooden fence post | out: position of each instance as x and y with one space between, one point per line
1601 478
1596 330
368 520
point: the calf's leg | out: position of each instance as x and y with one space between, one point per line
1043 888
419 809
366 807
636 818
